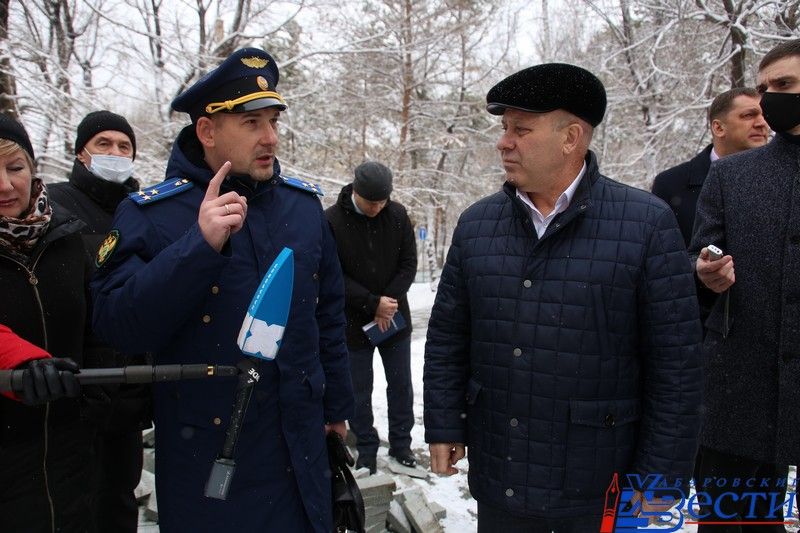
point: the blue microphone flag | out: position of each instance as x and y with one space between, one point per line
265 322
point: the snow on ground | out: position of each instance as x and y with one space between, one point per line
450 492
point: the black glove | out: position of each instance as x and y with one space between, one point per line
42 382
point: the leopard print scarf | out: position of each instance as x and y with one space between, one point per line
18 236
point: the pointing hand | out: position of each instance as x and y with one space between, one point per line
221 216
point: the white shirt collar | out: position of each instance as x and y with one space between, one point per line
355 205
714 155
540 222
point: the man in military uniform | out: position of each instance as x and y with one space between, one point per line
101 177
176 275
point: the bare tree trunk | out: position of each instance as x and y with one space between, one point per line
738 41
628 40
547 54
408 81
8 87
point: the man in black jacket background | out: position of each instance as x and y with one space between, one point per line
101 177
736 124
375 239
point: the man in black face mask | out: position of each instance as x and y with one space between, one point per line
750 208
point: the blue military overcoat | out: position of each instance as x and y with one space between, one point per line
163 289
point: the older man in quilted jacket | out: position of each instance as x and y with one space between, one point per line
564 345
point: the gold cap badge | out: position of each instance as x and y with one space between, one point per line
262 83
255 62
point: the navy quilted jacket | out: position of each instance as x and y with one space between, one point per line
562 360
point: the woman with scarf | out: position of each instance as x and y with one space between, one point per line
45 448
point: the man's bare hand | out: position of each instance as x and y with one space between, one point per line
444 456
221 216
387 307
338 427
717 275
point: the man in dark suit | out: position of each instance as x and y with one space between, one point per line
736 124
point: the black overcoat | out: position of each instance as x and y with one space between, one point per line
378 257
750 207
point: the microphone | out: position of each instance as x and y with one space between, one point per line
259 338
11 380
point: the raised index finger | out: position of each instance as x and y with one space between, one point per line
212 191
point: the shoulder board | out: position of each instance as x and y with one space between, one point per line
165 189
303 185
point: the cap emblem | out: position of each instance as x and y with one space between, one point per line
262 83
254 62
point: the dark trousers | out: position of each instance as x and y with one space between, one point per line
493 520
396 358
119 469
768 478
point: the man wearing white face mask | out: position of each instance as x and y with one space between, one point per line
101 177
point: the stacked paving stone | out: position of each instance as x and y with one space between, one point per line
146 491
401 511
377 492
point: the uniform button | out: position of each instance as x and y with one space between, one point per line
514 422
214 290
315 276
582 207
527 284
206 319
609 421
517 352
557 225
217 421
509 492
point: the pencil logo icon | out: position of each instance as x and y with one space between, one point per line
610 508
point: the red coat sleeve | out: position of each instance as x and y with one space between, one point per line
15 350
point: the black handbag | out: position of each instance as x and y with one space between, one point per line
348 505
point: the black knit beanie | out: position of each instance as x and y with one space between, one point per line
98 121
12 130
373 181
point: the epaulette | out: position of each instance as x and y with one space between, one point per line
302 185
165 189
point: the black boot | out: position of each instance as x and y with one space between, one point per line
404 457
367 461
